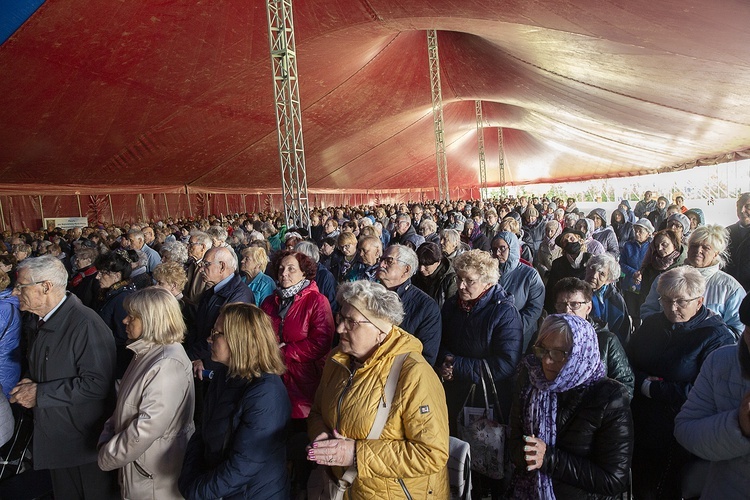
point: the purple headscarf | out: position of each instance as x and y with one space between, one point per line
539 399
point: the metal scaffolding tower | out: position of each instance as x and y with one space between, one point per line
437 115
480 147
501 162
288 112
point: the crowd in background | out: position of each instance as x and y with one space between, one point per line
597 331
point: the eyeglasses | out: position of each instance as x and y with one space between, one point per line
19 286
206 263
681 303
555 355
194 243
466 282
349 323
573 306
389 261
215 334
499 250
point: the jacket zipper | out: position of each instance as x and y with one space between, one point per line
341 396
142 471
403 487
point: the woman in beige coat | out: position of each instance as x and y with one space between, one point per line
147 436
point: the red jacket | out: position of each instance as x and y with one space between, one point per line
307 335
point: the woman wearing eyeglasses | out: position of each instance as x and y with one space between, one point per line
666 354
239 452
408 458
571 427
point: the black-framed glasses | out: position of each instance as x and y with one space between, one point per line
215 334
573 306
349 323
389 261
681 303
555 355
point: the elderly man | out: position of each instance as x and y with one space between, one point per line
421 312
224 286
150 238
138 242
714 423
71 383
739 243
404 232
645 206
198 245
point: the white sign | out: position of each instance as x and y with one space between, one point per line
65 222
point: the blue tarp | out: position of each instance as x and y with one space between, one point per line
13 13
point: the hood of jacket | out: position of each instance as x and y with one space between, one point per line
599 212
626 203
622 212
514 253
589 226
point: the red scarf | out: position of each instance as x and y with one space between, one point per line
468 305
79 277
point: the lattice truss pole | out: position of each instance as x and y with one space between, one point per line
480 147
437 115
288 112
501 160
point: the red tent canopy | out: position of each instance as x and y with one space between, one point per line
176 97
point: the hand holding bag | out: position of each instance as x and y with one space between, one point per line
483 429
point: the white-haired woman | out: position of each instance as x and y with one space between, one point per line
254 262
450 243
608 304
147 436
666 354
174 251
409 458
707 253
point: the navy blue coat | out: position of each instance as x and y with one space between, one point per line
421 318
491 331
240 450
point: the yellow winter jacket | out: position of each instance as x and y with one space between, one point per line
409 460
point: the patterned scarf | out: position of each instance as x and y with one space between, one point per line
286 296
467 305
662 263
539 399
550 242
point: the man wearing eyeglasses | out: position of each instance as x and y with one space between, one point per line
198 245
421 312
70 384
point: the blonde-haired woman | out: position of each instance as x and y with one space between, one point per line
254 262
147 436
240 450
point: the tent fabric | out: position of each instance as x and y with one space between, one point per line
176 97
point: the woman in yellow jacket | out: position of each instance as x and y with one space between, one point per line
409 459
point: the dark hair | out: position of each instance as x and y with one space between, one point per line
113 262
672 235
429 253
572 285
330 241
8 259
308 266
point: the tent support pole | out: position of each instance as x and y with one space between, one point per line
244 203
78 199
2 215
226 202
166 204
41 208
111 210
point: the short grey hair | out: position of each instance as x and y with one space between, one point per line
255 235
681 279
407 257
308 248
451 236
716 236
405 217
217 232
429 225
175 251
481 262
379 301
137 234
46 268
606 262
202 238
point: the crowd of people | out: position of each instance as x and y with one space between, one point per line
245 357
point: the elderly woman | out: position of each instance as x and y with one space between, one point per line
666 354
436 276
114 287
571 427
408 459
548 250
513 225
239 452
608 304
302 319
347 245
587 226
632 254
664 252
604 234
480 324
572 263
367 262
254 262
428 230
10 337
84 284
680 224
451 245
519 280
622 227
174 251
148 433
707 253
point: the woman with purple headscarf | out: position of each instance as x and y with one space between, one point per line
571 427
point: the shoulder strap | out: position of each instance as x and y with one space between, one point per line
380 418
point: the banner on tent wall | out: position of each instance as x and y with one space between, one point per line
64 222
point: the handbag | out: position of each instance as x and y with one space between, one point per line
322 484
484 430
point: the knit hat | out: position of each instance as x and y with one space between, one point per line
682 220
645 224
